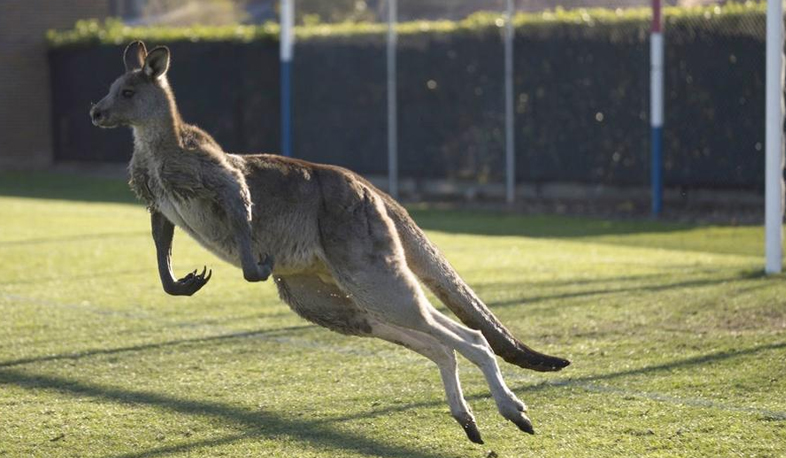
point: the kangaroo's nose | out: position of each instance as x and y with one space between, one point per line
95 114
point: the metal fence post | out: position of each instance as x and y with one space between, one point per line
392 101
510 157
656 107
286 52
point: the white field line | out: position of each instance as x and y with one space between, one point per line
410 358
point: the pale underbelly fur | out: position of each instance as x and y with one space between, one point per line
292 253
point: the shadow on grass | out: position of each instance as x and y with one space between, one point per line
189 446
681 363
65 186
153 346
579 381
489 222
74 238
257 423
36 280
647 234
497 285
317 432
525 300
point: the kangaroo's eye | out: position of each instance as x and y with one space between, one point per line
127 93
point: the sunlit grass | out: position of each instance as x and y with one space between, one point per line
677 343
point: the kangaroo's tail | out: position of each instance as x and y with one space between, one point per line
433 269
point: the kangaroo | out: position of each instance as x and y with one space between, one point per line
347 256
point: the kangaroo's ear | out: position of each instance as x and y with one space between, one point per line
134 55
157 62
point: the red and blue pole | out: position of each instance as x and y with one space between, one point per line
656 107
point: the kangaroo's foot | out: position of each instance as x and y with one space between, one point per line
260 271
470 427
514 410
521 420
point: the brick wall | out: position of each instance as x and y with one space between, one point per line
25 124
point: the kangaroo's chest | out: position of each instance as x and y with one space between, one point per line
192 214
203 220
199 216
291 237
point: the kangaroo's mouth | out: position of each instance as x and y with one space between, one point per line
105 123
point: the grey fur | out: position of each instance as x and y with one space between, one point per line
347 256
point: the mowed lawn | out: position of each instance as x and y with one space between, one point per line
677 340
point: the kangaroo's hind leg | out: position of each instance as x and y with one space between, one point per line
325 304
367 261
393 297
445 359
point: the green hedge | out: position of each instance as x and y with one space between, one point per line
729 19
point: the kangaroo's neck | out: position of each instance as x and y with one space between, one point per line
162 131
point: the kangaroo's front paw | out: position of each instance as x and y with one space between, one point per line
189 284
261 271
265 266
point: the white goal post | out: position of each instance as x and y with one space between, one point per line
773 176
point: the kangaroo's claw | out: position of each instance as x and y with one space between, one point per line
191 283
473 434
523 423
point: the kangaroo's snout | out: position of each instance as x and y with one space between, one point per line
96 115
100 116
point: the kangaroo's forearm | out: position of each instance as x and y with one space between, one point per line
235 199
243 240
238 213
253 270
163 233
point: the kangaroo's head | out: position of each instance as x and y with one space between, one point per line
141 94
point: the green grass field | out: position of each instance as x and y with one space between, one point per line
677 342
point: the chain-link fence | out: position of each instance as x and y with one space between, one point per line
715 93
581 98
